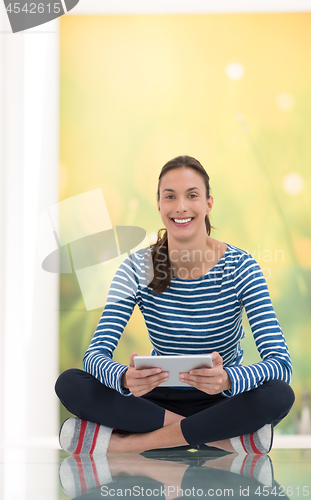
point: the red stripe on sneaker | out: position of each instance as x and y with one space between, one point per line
95 471
81 437
254 447
81 474
243 465
243 444
253 464
94 439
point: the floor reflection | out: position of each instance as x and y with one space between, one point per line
52 474
170 474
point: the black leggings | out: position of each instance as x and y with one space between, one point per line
208 418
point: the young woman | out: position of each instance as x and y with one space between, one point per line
191 292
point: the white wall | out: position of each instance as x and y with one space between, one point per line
28 185
188 6
2 191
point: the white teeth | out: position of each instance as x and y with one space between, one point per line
182 221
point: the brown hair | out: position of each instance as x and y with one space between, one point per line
162 270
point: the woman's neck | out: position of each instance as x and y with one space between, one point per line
190 261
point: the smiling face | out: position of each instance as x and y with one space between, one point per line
183 204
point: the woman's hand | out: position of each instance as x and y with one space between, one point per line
210 380
140 382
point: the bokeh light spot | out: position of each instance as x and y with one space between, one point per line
152 238
293 183
234 71
133 204
285 102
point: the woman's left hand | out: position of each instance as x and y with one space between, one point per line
210 380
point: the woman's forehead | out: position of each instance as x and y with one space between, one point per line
179 178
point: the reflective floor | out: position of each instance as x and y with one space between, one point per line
50 474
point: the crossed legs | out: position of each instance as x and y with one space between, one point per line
168 418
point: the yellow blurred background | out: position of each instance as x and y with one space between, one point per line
232 90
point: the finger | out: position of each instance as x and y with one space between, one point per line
196 379
149 374
148 387
212 379
186 378
150 379
211 386
202 372
217 359
132 360
143 373
140 392
143 387
208 373
198 384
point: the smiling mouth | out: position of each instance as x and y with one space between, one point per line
182 221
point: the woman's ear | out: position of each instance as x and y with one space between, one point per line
209 204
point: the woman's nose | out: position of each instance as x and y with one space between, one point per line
181 204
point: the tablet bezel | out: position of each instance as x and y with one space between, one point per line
174 365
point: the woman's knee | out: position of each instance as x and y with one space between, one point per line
66 382
270 402
279 398
282 392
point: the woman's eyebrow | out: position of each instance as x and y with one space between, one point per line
190 189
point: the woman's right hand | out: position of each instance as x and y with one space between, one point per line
140 382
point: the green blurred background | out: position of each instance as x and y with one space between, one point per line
232 90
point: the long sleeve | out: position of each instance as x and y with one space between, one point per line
118 309
252 292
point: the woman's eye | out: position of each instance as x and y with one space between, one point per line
169 196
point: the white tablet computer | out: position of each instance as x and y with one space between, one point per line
174 365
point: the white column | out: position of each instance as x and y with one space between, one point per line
2 204
28 185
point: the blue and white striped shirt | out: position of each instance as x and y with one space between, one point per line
196 316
